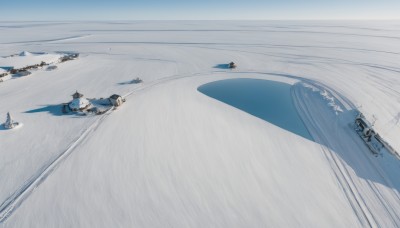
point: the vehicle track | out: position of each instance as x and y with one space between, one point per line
17 198
355 198
362 204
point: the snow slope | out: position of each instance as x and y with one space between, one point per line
172 156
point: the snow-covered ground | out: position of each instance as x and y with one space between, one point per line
26 58
172 156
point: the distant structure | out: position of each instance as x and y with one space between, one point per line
76 95
232 65
10 123
116 100
69 57
79 103
86 106
137 80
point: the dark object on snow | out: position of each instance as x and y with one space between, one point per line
24 73
3 75
24 69
137 81
53 67
10 123
116 100
69 57
97 111
232 65
77 95
372 139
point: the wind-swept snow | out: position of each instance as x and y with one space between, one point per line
173 156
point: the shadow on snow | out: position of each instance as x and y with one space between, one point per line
272 102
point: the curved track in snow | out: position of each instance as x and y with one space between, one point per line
348 155
14 201
331 140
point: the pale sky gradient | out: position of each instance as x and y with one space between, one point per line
193 10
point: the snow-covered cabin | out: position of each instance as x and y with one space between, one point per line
116 100
78 103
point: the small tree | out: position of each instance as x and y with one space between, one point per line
9 122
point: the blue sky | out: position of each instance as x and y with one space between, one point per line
201 9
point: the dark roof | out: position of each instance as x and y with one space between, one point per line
115 96
77 95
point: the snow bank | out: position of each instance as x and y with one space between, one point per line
27 59
332 102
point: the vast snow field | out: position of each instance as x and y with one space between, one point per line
174 156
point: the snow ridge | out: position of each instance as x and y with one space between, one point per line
332 102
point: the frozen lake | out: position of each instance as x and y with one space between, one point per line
173 155
268 100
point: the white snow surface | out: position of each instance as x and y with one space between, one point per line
26 58
171 156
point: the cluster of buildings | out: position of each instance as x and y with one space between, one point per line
6 73
97 106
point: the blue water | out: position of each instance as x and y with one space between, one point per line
268 100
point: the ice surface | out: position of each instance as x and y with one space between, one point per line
268 100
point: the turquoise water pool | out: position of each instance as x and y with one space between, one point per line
265 99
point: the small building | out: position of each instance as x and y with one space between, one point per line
79 103
232 65
116 100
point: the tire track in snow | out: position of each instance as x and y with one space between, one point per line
347 186
350 183
15 200
18 197
356 199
